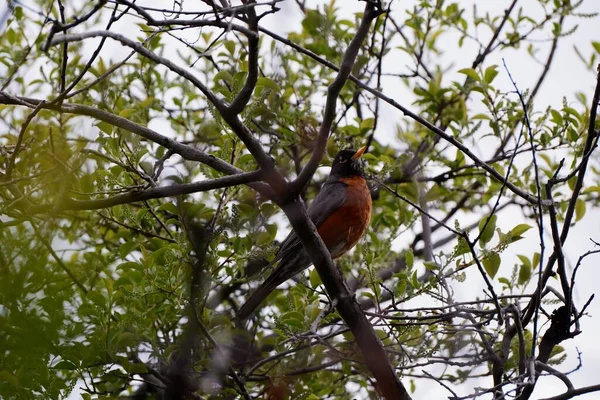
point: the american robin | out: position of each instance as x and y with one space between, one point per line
341 212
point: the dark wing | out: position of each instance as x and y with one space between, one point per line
293 261
331 197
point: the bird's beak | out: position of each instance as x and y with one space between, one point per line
359 153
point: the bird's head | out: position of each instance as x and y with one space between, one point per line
347 163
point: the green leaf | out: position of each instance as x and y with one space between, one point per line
490 73
315 279
367 124
170 207
520 230
268 83
127 248
137 368
536 259
556 117
126 112
126 339
18 12
97 298
579 209
225 76
9 378
230 46
471 73
524 274
105 127
146 103
524 260
65 364
487 227
430 265
409 257
293 319
491 264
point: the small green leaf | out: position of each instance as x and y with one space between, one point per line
146 103
491 265
487 227
524 274
471 73
230 46
105 127
126 339
524 260
490 73
556 117
272 230
579 209
18 12
401 287
293 319
367 124
312 312
97 298
536 259
268 83
225 76
430 265
170 207
127 247
520 230
130 265
137 368
315 279
9 378
65 364
126 112
409 257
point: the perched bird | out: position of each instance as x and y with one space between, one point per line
341 212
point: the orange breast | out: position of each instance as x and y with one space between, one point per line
344 228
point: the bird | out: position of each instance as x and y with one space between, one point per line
341 212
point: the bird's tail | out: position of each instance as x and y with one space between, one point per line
259 295
288 268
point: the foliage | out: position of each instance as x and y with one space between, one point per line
111 298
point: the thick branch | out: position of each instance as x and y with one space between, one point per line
371 347
153 193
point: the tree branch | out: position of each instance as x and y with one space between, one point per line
371 347
575 392
153 193
243 96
